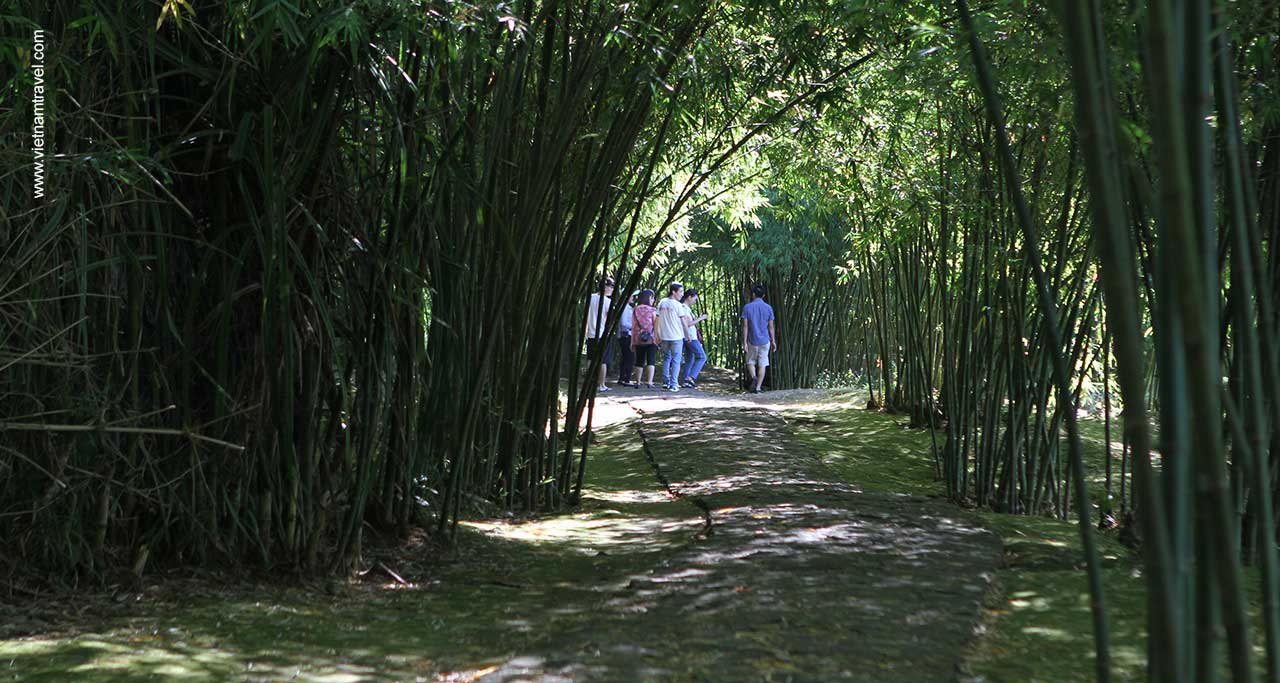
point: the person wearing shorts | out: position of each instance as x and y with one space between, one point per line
757 357
758 338
644 339
597 313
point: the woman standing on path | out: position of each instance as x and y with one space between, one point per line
643 339
670 325
695 356
624 342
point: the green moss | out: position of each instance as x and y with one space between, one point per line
514 585
869 449
1038 625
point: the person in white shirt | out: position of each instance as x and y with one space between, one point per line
597 314
695 356
670 324
624 341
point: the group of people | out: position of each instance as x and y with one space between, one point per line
670 324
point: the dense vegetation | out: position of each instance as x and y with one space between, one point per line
307 272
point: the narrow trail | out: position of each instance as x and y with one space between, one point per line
795 576
712 544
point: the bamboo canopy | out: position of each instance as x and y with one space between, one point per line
310 276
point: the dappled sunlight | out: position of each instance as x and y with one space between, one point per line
788 400
1028 600
736 549
471 621
630 496
785 532
885 460
1050 633
587 534
126 655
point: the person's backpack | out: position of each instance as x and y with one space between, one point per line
646 336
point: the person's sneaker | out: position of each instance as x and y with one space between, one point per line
673 388
753 390
603 388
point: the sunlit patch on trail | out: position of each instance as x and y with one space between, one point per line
588 534
754 563
631 496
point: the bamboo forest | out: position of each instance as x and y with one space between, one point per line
350 341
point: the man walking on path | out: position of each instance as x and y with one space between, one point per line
670 324
597 312
757 336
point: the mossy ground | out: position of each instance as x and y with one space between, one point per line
510 585
1039 626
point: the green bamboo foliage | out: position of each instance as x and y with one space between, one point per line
290 253
1053 332
960 270
312 275
1207 509
233 372
533 219
792 247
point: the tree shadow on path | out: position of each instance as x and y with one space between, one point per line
797 575
751 562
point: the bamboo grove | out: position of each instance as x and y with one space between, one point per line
215 340
1003 238
307 273
314 273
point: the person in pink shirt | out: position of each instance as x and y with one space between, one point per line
644 339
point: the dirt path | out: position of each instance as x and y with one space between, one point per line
712 544
794 575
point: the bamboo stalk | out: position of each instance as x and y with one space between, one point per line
1049 312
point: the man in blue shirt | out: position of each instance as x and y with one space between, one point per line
757 336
